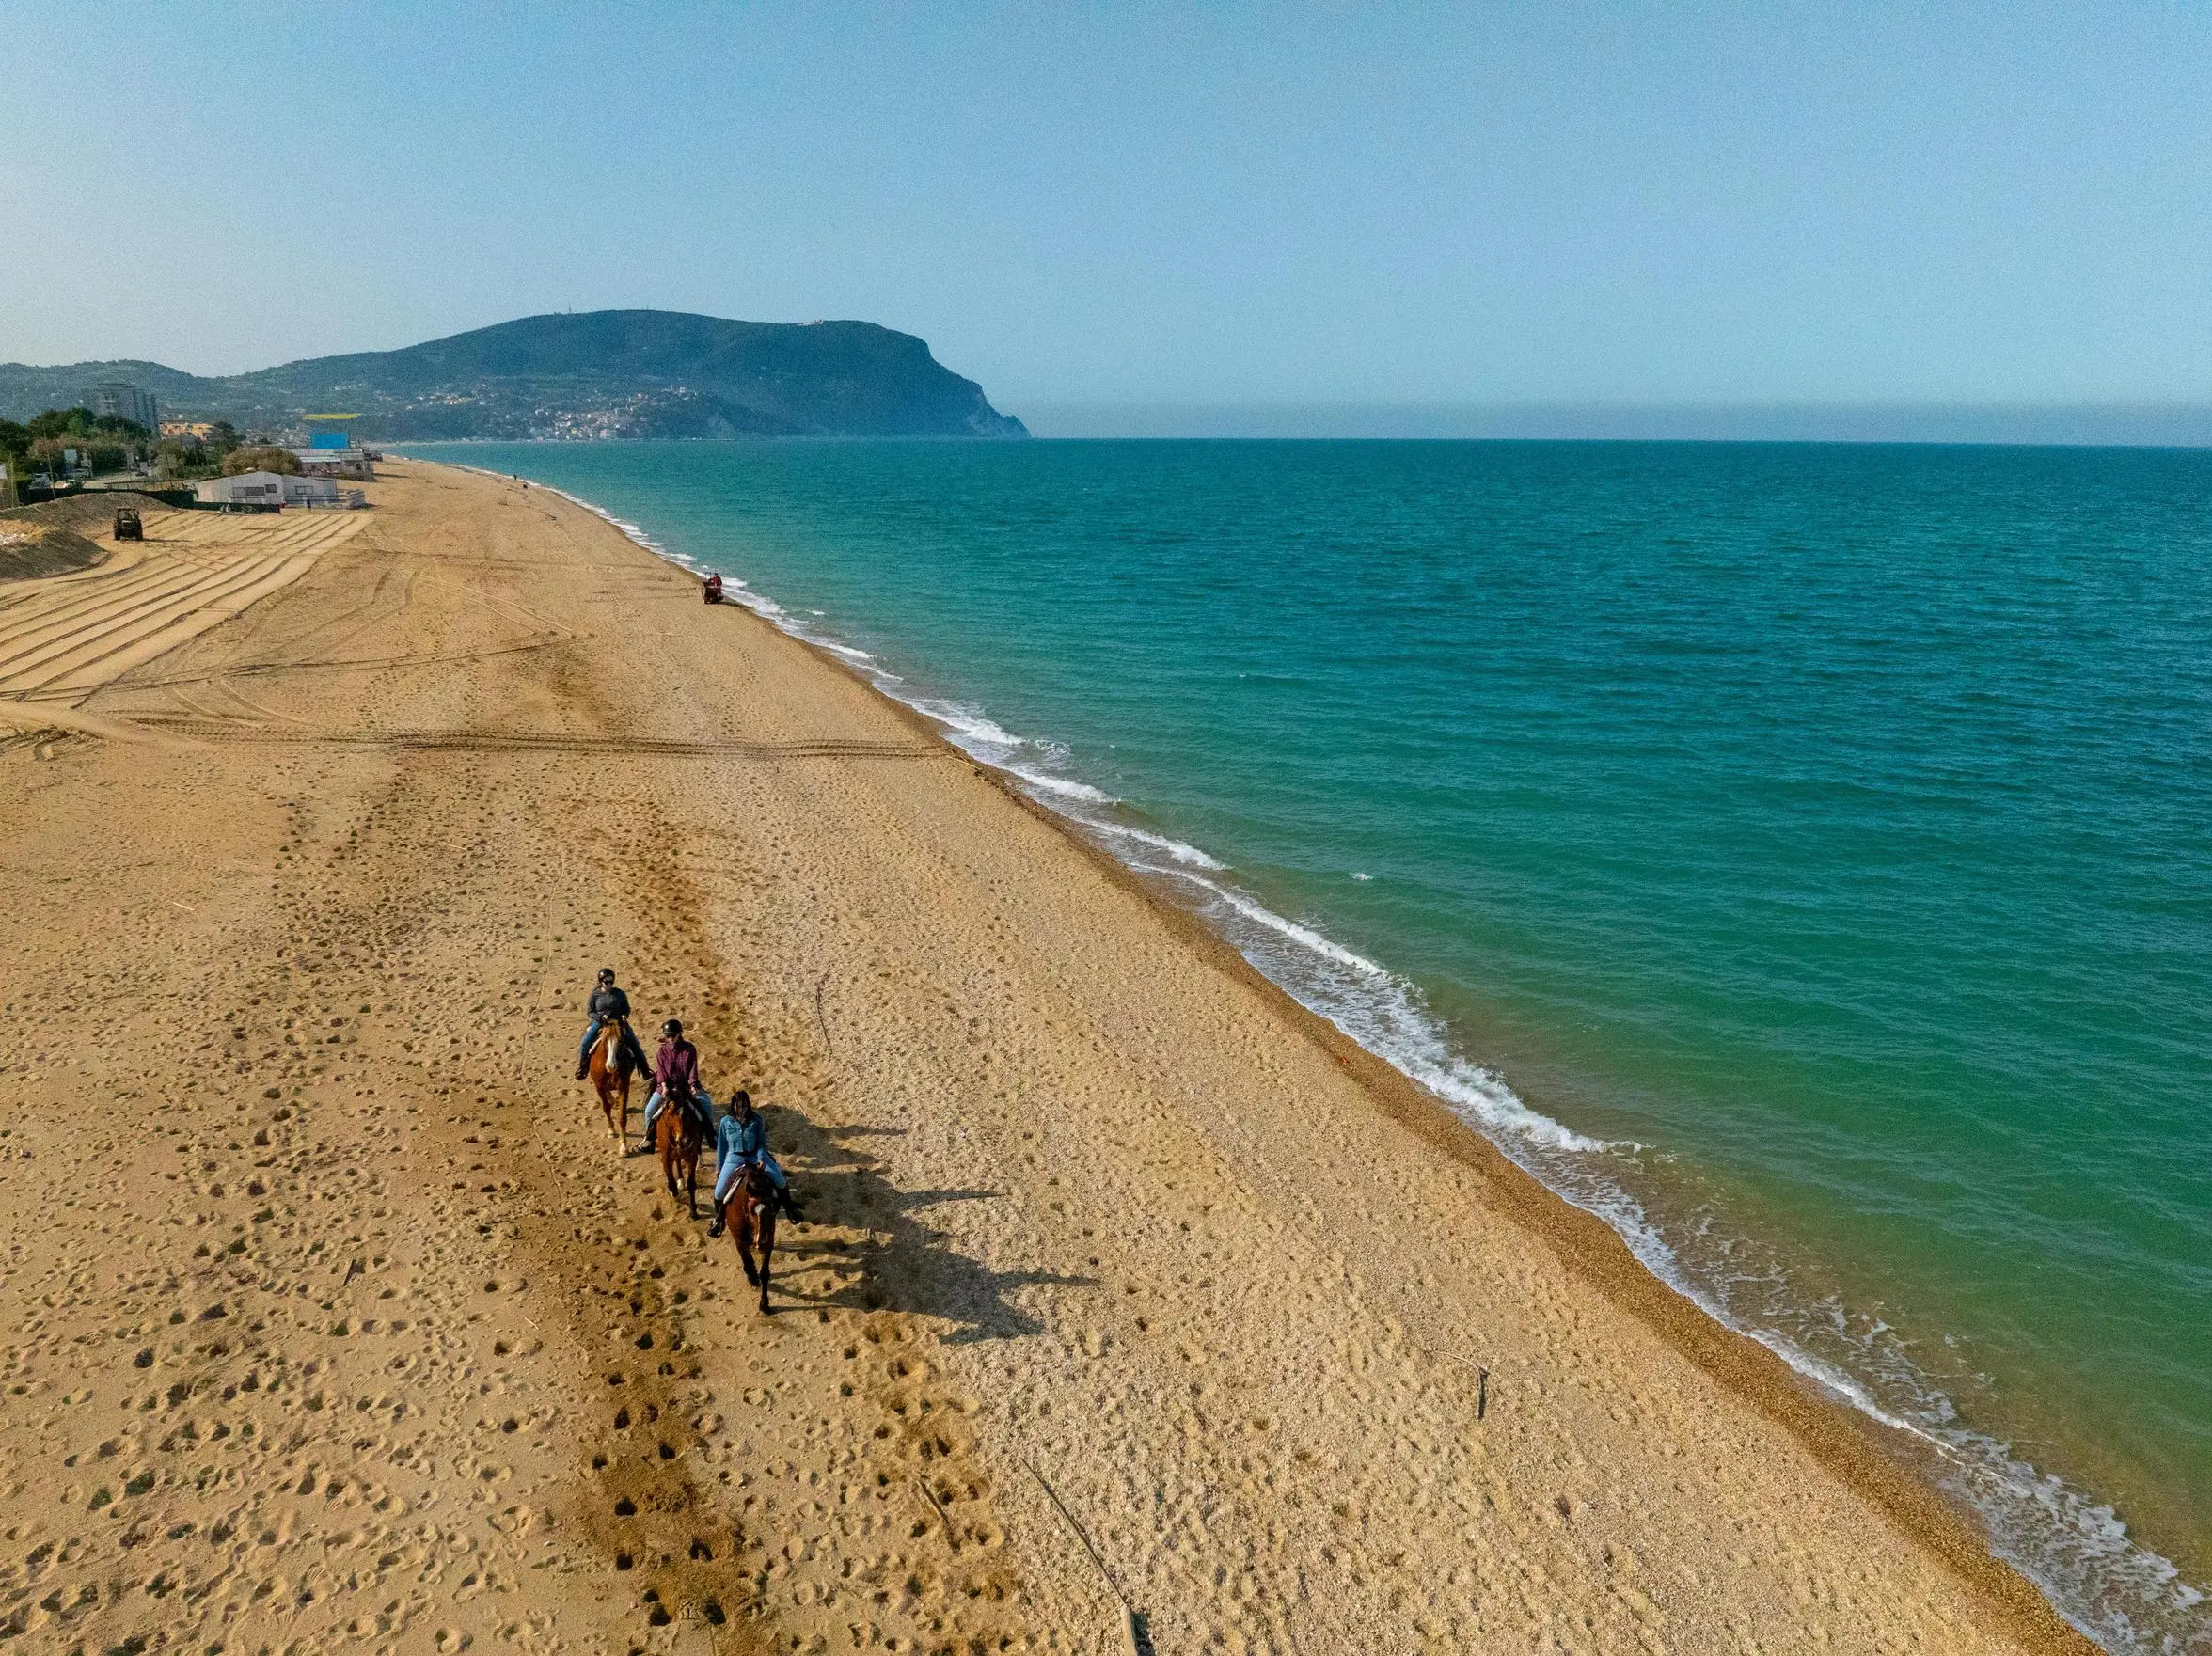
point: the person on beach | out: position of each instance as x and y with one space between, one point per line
742 1141
608 1001
675 1079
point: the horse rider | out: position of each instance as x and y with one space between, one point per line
675 1079
608 1001
742 1141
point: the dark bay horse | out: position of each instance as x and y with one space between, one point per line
676 1136
611 1071
750 1216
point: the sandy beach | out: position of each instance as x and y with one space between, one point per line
1137 1309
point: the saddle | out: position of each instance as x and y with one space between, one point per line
613 1043
758 1185
700 1108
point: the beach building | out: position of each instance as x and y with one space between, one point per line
249 488
129 403
269 488
335 463
330 451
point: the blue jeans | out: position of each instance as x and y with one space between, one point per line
726 1175
701 1106
629 1045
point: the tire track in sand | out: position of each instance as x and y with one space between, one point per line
61 640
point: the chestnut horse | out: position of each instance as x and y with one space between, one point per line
676 1136
611 1070
749 1214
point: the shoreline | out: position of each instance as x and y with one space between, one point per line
1861 1450
1825 1408
1076 1210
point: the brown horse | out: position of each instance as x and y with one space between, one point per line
676 1136
611 1070
750 1215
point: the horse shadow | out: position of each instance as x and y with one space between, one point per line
896 1261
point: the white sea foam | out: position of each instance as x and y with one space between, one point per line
969 726
2075 1550
1190 856
1305 936
1064 789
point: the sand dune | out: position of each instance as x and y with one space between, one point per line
336 1323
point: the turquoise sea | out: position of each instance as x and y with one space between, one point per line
1799 853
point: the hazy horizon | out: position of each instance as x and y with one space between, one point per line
2149 425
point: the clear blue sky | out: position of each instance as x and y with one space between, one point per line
1220 205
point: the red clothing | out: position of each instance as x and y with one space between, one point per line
675 1069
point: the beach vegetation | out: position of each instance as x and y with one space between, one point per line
95 454
258 457
104 442
182 457
15 455
84 426
195 455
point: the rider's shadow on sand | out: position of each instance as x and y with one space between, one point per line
899 1264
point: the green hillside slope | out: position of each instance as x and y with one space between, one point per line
629 374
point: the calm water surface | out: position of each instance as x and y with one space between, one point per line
1800 854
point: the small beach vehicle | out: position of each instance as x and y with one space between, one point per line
713 589
127 527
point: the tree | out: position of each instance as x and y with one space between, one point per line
239 460
15 455
104 442
184 457
82 424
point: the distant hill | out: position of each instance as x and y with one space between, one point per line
621 373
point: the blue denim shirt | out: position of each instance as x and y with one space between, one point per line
744 1140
